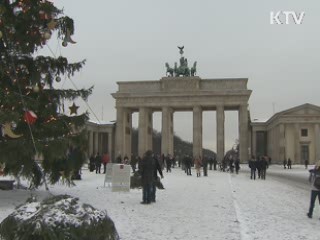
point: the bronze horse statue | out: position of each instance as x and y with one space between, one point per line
169 71
193 70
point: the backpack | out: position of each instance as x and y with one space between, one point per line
316 183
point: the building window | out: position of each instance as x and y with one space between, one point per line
304 132
304 153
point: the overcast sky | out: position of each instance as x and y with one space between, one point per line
130 40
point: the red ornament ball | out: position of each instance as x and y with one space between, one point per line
30 117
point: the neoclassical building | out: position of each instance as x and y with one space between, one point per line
101 138
293 133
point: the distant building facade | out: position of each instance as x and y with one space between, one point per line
100 138
293 133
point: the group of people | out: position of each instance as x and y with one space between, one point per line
95 162
287 163
198 163
259 165
229 164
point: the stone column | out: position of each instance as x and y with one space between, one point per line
220 133
171 133
282 142
167 131
297 154
243 133
90 143
145 131
127 133
110 146
197 131
254 143
119 142
150 130
97 142
100 146
317 142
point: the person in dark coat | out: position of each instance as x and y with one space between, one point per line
237 165
188 162
147 167
157 168
168 163
205 166
92 165
98 163
253 167
258 166
133 163
315 192
264 166
285 163
306 163
289 163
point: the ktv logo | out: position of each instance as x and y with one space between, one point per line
286 17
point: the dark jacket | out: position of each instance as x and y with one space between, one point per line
252 164
157 168
147 169
264 164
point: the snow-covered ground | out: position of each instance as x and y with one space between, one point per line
220 206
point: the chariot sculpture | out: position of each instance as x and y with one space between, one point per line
183 69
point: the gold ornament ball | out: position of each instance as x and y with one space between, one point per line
58 79
47 35
64 43
36 88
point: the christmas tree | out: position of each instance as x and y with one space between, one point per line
34 123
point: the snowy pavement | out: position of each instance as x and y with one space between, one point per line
220 206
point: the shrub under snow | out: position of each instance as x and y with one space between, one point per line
57 218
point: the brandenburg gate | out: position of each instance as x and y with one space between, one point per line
180 92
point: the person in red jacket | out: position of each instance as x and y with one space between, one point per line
105 161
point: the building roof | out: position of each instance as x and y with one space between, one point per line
294 109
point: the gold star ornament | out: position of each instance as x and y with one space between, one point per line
73 109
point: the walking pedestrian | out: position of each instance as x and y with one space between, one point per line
253 167
205 166
98 163
264 166
314 179
284 163
187 162
147 175
289 163
92 165
237 165
306 163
